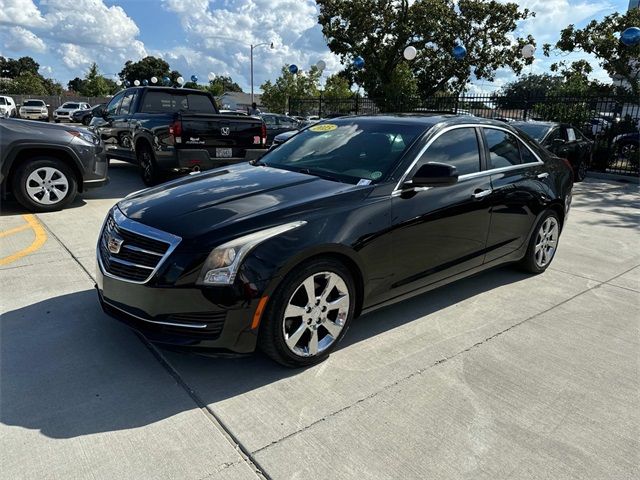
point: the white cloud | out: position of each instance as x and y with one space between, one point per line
20 12
20 39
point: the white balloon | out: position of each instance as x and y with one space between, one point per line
118 82
528 51
180 80
321 65
136 83
410 53
211 76
154 79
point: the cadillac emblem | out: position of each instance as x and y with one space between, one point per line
114 244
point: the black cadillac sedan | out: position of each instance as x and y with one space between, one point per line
347 216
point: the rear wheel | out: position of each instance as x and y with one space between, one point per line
581 170
44 184
309 313
148 167
86 120
543 244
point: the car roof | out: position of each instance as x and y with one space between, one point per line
162 89
427 119
535 122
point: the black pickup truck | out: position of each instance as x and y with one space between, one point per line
166 130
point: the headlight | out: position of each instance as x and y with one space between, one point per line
44 110
86 136
222 264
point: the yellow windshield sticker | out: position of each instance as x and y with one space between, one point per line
324 127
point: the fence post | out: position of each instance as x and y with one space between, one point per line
357 97
320 105
526 107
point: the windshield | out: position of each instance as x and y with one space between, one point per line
162 102
349 150
70 105
536 131
34 103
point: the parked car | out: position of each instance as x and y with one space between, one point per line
166 129
277 124
65 111
44 166
84 116
627 146
563 140
7 107
283 137
34 110
233 112
347 216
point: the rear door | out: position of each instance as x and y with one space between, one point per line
518 182
438 232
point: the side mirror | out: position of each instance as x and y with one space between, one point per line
48 106
434 175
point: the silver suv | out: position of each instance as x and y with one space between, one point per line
64 111
34 110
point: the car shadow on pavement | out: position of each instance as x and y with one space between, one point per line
617 204
67 370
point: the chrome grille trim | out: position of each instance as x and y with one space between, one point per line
116 219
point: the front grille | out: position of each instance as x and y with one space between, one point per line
134 256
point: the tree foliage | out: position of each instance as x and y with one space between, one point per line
146 68
531 86
600 38
276 95
337 86
221 85
22 78
380 30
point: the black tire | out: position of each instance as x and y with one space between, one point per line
529 262
148 167
20 178
86 120
581 170
271 339
57 121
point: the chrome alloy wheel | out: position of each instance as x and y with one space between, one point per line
316 314
546 242
47 185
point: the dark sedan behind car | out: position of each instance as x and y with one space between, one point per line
84 116
345 217
563 140
45 165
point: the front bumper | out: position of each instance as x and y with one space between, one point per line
34 116
193 318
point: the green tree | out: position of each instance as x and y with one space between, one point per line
600 38
23 78
96 85
146 68
276 95
337 86
531 86
380 30
76 85
221 85
12 68
26 84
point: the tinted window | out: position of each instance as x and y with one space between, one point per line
269 120
162 102
34 103
4 102
288 122
503 148
113 104
555 133
347 150
534 130
70 105
457 147
527 156
125 106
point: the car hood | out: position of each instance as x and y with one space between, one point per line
197 204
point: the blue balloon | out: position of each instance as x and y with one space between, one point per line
293 69
459 52
631 36
194 78
166 80
358 63
145 82
127 83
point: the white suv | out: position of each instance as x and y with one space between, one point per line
66 109
34 110
7 107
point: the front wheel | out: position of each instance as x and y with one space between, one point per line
44 185
543 244
309 313
86 120
581 170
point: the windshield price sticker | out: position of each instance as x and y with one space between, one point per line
324 127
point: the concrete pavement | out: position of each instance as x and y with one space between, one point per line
502 375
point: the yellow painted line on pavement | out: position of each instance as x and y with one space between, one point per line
38 241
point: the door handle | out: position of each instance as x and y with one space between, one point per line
482 193
543 175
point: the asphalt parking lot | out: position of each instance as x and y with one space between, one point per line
502 375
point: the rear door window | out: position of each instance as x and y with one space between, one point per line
503 148
127 101
458 147
112 108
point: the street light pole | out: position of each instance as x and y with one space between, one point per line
252 47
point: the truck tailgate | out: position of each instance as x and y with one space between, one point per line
223 136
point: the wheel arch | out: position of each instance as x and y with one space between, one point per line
24 153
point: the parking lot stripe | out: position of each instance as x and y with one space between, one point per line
39 240
11 231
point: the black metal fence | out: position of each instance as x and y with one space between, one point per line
612 122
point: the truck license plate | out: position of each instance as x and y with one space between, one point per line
224 152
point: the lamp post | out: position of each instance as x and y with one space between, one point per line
252 47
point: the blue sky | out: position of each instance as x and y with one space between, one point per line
202 36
